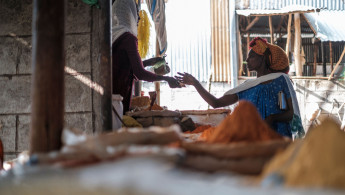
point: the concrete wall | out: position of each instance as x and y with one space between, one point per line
15 71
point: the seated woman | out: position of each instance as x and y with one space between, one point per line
271 64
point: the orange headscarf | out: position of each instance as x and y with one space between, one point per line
279 61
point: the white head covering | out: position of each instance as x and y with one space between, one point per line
125 18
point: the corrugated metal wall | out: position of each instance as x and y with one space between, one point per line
278 4
220 45
189 37
308 47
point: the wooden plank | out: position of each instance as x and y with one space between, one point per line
47 113
336 66
297 49
271 29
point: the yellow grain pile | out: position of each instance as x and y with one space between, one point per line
316 161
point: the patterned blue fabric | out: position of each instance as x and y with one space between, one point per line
265 98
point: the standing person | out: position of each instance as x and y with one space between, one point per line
127 64
272 65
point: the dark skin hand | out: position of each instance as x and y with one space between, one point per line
173 83
226 100
281 117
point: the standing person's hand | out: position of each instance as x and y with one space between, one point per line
186 78
173 83
153 61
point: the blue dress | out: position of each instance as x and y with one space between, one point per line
265 98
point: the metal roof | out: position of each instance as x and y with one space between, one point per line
327 25
285 10
335 5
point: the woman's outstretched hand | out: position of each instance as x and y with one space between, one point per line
186 78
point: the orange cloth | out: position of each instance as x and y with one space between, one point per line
278 58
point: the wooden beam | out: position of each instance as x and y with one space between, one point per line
251 24
105 66
297 49
271 29
288 39
47 95
336 66
282 18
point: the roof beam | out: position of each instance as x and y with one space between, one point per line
251 24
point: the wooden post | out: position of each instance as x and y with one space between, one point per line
240 54
105 69
47 88
102 66
324 67
271 29
288 39
316 48
248 46
331 54
297 50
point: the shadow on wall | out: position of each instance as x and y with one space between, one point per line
321 99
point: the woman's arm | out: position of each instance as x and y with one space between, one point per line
208 97
282 117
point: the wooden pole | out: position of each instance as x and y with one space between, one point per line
47 88
102 63
316 48
240 54
288 39
105 77
271 29
336 66
297 50
331 55
324 67
248 46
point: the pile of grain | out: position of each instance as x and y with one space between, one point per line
243 124
316 161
